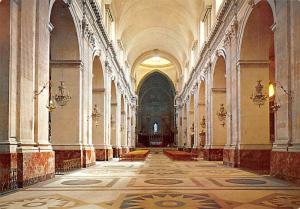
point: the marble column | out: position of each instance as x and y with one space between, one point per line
8 92
285 155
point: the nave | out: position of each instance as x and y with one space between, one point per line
157 183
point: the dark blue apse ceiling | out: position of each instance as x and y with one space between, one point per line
156 105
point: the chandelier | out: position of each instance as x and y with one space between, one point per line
258 97
62 97
222 114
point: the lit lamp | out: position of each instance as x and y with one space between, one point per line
51 106
258 97
222 114
271 90
274 106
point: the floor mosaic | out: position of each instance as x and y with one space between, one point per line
157 183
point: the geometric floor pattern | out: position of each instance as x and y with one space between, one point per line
157 183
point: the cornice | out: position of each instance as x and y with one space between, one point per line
111 55
224 19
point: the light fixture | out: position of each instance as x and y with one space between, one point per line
203 123
96 115
37 93
276 105
51 106
258 97
192 128
271 90
222 114
62 97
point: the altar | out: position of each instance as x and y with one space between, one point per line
156 140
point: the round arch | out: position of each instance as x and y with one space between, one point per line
65 72
74 23
98 102
156 106
245 21
257 64
163 54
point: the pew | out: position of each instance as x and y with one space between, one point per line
135 155
180 155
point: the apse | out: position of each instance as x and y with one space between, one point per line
156 111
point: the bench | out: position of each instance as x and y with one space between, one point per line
135 155
180 155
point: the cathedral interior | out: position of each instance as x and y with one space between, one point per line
149 104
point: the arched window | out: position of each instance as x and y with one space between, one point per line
155 128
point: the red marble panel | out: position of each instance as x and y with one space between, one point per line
89 158
125 150
256 160
34 167
117 152
61 155
286 165
8 160
213 154
101 154
8 170
230 157
110 154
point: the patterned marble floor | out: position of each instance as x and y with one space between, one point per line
157 183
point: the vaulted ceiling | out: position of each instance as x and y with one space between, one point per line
170 26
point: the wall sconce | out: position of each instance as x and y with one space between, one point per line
37 93
96 115
203 122
258 97
203 125
222 114
62 97
192 128
51 106
275 106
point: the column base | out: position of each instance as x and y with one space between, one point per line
8 171
255 160
103 154
117 152
34 167
67 160
285 165
89 157
125 150
131 149
213 154
230 157
198 151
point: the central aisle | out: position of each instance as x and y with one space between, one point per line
157 183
